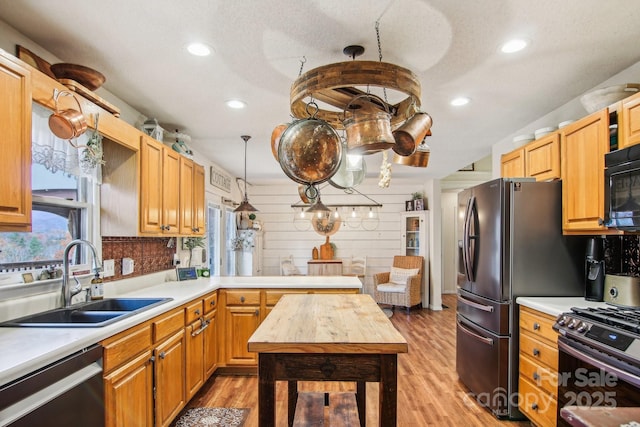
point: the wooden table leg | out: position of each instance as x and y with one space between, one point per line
292 392
388 390
266 390
361 399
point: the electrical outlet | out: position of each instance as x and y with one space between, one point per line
108 268
127 266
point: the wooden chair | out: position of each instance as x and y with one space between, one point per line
402 286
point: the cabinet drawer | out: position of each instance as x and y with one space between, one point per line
169 324
210 302
243 297
124 346
272 297
193 311
538 325
538 406
539 351
539 374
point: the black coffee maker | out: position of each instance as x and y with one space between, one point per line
594 270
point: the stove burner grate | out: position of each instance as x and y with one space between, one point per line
618 317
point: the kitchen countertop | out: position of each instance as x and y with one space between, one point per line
555 306
27 349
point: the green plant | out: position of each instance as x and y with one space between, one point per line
417 195
193 242
334 248
252 216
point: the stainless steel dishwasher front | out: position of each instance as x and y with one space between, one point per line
68 392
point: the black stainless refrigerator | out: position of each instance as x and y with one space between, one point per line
512 245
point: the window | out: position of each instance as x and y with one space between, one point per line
214 238
230 233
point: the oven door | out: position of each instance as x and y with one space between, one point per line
587 377
622 195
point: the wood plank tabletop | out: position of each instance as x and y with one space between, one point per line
327 323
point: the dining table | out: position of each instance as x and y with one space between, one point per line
327 337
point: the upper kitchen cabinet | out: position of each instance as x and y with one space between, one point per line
584 144
192 220
15 147
159 188
512 164
629 121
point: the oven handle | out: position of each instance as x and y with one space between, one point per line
473 304
485 340
626 376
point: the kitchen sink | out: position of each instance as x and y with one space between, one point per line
89 315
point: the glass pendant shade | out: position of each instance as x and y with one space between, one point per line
245 206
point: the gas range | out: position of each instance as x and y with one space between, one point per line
614 331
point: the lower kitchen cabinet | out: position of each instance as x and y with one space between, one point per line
241 323
210 335
538 378
128 401
169 369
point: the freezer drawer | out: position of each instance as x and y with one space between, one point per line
489 314
482 362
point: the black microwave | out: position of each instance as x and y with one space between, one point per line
622 189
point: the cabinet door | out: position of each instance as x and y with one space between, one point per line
629 122
542 158
241 323
512 164
169 374
198 200
15 147
210 344
186 197
584 144
194 375
150 186
129 394
171 191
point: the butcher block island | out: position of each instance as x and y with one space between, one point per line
332 337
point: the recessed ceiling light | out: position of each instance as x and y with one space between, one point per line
236 104
514 45
199 49
460 101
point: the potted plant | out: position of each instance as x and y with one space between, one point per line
192 243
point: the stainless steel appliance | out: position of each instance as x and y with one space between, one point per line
622 189
512 246
69 392
594 270
599 358
622 290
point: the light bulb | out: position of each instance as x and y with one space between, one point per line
353 213
302 215
354 162
370 213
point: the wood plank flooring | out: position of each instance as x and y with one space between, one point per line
429 393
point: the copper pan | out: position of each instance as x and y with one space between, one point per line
275 139
368 131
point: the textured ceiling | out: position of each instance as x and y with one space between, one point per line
452 45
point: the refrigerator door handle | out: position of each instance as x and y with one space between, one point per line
469 253
484 340
465 241
474 304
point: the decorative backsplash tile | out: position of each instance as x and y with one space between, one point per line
149 254
622 255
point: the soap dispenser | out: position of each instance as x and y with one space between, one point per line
97 291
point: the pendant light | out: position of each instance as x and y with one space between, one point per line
245 206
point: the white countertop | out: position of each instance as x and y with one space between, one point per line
23 350
555 306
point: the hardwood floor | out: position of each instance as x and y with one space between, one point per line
429 393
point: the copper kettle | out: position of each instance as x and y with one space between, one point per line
68 123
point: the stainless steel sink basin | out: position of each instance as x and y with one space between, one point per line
89 315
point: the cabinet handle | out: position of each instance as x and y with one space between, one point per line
162 227
536 326
168 227
204 326
600 221
536 352
257 312
242 299
162 355
213 302
197 312
534 406
536 376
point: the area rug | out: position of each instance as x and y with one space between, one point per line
388 312
213 417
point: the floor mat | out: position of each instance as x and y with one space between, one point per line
212 417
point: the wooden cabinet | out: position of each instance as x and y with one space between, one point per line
542 158
512 164
324 267
538 378
199 210
210 303
192 210
194 373
584 144
539 159
15 146
242 317
159 188
169 386
128 397
629 121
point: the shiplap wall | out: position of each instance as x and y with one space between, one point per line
281 238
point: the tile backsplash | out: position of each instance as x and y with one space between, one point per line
149 254
622 255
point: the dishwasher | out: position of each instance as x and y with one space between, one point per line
68 392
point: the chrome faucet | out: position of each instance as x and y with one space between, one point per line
67 292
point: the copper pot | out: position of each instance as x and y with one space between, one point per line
310 151
69 123
275 139
411 133
368 132
419 159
